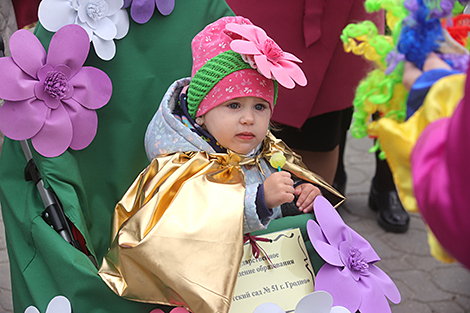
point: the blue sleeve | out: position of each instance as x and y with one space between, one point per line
261 208
420 88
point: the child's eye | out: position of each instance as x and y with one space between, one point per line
233 105
260 106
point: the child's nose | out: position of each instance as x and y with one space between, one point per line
247 117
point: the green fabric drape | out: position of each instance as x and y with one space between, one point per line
90 182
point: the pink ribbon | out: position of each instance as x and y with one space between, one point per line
255 247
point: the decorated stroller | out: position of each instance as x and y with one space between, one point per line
90 162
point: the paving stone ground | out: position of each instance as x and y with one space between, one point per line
426 285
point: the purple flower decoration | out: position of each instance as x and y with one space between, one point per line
349 274
142 10
51 98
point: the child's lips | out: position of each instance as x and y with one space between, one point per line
246 135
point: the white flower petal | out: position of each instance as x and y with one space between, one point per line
339 309
106 29
114 6
53 14
269 307
105 49
121 20
59 304
322 301
31 309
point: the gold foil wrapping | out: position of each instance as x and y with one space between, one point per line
177 236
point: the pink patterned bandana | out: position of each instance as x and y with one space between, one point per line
243 83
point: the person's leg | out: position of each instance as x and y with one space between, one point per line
339 182
383 198
317 142
321 163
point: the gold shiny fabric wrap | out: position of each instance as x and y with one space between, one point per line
177 236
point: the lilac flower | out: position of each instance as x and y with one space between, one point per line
51 98
142 10
349 274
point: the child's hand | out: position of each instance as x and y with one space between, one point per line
278 189
307 193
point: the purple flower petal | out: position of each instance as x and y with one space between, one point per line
364 246
56 134
41 94
126 4
340 285
92 87
373 299
165 6
330 222
22 119
27 52
69 46
386 284
15 85
84 124
328 253
142 10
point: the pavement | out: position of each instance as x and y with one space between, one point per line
425 284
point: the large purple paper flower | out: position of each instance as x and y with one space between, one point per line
51 98
142 10
349 274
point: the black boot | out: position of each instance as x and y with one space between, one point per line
391 215
383 198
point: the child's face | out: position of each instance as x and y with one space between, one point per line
239 124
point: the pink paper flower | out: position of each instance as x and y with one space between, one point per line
262 53
349 274
142 10
51 98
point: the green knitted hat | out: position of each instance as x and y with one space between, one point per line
210 74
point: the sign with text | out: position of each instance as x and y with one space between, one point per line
282 274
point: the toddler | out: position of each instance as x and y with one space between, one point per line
178 231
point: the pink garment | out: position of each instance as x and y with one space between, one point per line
441 176
311 30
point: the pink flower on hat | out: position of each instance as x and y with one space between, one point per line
264 54
51 98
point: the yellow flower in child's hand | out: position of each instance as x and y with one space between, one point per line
278 160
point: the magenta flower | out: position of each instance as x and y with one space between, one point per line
262 53
142 10
349 274
50 98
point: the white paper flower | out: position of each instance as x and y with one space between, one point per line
315 302
59 304
104 20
